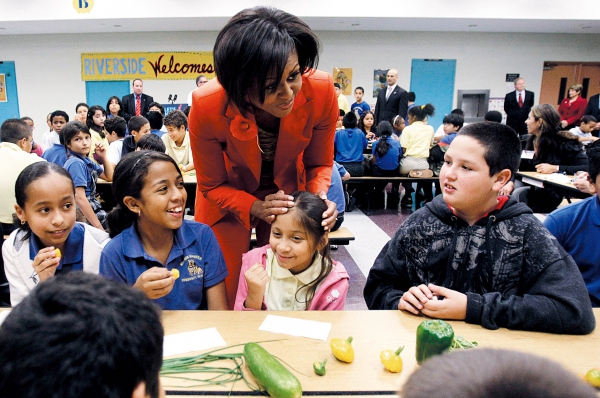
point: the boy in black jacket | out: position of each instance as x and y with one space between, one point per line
475 256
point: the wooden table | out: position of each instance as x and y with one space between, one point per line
543 181
373 331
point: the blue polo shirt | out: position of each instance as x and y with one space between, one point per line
577 229
336 189
390 161
84 172
349 145
195 253
56 154
72 254
360 108
448 138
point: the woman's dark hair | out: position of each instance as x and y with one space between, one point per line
128 180
385 130
83 104
420 112
255 46
120 113
361 121
310 209
70 130
30 175
548 141
90 121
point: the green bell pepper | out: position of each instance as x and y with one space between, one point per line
434 336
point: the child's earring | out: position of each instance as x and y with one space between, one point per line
23 222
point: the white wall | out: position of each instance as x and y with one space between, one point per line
48 67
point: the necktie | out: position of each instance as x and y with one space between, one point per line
388 93
138 105
520 100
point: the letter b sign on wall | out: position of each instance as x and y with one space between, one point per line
83 5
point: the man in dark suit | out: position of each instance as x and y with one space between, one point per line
131 102
392 101
517 105
593 109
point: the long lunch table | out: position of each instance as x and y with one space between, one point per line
373 331
545 181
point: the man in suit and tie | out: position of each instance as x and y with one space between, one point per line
136 104
392 101
593 109
517 105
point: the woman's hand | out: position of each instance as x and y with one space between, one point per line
256 279
545 168
155 282
507 189
563 123
45 263
583 183
273 205
330 215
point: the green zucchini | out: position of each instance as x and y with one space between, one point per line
275 378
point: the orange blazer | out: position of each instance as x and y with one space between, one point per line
228 160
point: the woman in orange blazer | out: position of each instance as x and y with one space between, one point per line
263 129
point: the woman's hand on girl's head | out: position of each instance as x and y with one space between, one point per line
330 215
256 279
155 282
273 205
45 263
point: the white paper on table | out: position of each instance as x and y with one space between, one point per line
296 327
527 154
559 177
196 340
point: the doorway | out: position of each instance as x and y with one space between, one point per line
432 81
559 76
98 93
9 97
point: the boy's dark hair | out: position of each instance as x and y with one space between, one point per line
98 337
310 209
360 88
70 130
492 373
155 119
159 106
59 113
116 124
385 130
493 116
342 112
420 112
14 130
454 119
588 118
255 45
128 180
151 142
458 111
90 119
136 123
411 96
82 104
501 145
593 154
350 121
337 85
176 119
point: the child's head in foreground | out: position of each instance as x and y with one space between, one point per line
149 191
45 198
298 236
479 162
80 335
491 373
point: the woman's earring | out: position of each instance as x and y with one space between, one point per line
23 222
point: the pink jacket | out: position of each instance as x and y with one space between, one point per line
325 297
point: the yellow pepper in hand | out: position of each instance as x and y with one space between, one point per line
391 360
58 253
342 349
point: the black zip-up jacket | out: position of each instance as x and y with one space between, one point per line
513 271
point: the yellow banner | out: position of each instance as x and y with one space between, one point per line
146 65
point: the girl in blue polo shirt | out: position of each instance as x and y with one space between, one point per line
85 173
176 262
386 152
48 241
